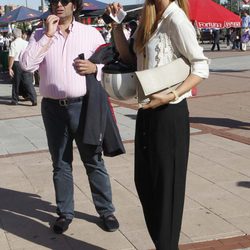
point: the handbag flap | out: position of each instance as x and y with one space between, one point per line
163 77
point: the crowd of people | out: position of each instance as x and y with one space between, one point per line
236 38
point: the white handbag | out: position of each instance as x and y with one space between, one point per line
163 78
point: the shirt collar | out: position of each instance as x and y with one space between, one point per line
72 27
170 9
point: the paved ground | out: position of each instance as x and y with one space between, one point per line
217 214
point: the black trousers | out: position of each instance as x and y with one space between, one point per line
161 157
216 39
24 80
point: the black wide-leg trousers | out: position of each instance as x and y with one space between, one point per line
161 157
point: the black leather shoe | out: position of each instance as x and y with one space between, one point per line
34 103
14 103
61 225
110 223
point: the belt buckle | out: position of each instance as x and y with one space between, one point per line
63 102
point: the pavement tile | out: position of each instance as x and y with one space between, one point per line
246 246
3 240
217 198
242 222
140 239
184 239
230 247
238 239
201 225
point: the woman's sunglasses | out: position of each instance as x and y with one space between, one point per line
63 2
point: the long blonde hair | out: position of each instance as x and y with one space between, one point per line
149 20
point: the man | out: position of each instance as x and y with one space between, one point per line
21 79
245 25
216 39
55 52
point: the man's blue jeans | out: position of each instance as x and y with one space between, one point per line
63 124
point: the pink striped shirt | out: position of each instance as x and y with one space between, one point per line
55 57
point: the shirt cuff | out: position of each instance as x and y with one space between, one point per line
99 71
200 69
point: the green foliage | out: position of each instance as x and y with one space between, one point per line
24 26
232 5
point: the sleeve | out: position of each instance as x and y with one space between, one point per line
184 38
35 52
12 51
98 42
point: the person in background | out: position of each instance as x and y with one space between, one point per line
162 125
1 42
216 39
235 38
22 80
228 35
55 51
245 25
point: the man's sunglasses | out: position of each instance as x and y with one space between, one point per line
63 2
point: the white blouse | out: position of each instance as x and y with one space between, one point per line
174 37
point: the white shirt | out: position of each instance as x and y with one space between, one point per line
16 47
1 40
174 37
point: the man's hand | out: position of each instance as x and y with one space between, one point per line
51 25
156 100
11 73
84 67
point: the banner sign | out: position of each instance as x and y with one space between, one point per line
212 25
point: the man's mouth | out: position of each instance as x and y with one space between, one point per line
59 11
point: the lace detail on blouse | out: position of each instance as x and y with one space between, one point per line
164 50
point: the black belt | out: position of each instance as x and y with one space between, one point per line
66 101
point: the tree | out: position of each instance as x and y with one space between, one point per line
232 5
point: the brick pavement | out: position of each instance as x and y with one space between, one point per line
216 214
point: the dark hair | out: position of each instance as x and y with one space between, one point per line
78 5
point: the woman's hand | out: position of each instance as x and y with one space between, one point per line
84 67
113 8
156 100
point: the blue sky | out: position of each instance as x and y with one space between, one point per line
35 3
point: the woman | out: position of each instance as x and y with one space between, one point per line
162 127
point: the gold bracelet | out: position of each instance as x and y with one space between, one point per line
176 96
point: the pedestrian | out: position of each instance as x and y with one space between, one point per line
1 42
162 125
245 25
22 81
235 38
216 39
245 38
55 52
